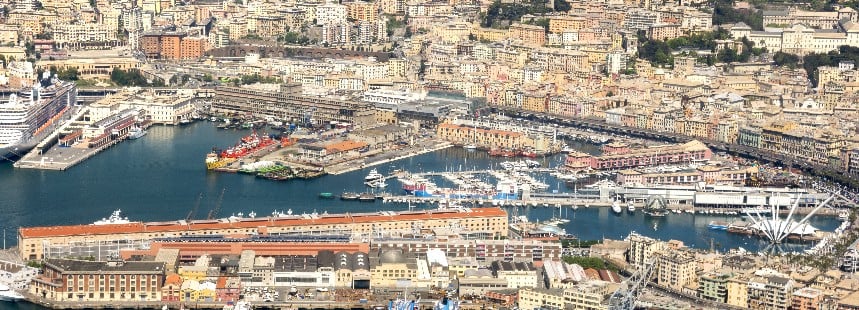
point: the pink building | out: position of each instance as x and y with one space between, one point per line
692 151
228 289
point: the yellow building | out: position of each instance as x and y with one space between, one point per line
362 11
393 266
565 23
589 295
488 138
92 68
196 273
541 298
195 291
530 35
676 269
738 292
489 34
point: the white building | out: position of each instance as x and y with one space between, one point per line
800 39
330 14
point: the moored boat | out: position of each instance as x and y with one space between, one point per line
326 195
349 196
615 207
136 133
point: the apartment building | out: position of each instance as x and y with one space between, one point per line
676 269
530 35
643 249
173 45
85 36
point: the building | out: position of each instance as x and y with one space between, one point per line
541 299
676 269
642 250
290 105
770 292
819 20
807 298
713 286
518 275
591 295
530 35
173 45
800 38
692 151
37 242
84 281
85 36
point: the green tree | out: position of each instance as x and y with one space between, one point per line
562 6
727 55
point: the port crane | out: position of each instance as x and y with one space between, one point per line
194 210
625 297
214 212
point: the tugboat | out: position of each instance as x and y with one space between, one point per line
349 196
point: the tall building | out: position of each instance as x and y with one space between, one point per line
643 249
83 281
676 269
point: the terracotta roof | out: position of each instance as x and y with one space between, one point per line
173 279
344 146
294 220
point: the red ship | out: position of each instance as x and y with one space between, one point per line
528 153
248 145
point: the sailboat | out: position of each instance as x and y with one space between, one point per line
472 146
561 219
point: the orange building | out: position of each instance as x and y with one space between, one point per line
529 34
172 45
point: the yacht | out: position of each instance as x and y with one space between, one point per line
374 175
470 147
115 218
630 207
136 133
7 294
615 206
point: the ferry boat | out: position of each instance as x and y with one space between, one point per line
246 146
32 114
136 133
7 294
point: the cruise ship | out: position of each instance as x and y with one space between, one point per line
30 115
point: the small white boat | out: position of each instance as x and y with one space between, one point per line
470 147
136 133
615 206
630 207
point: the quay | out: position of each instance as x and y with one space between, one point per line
62 157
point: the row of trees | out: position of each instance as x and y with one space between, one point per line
660 52
132 78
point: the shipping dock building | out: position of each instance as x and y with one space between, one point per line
59 241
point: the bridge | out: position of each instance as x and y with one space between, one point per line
733 149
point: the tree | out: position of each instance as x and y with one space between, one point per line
727 55
724 13
562 6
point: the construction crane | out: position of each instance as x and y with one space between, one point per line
625 297
194 210
214 212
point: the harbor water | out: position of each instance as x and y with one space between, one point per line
162 175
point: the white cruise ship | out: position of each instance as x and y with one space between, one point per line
30 115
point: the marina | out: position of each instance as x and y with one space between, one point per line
169 154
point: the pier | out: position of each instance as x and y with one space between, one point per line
49 155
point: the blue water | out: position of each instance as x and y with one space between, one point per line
160 177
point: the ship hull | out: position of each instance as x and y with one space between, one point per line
15 151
